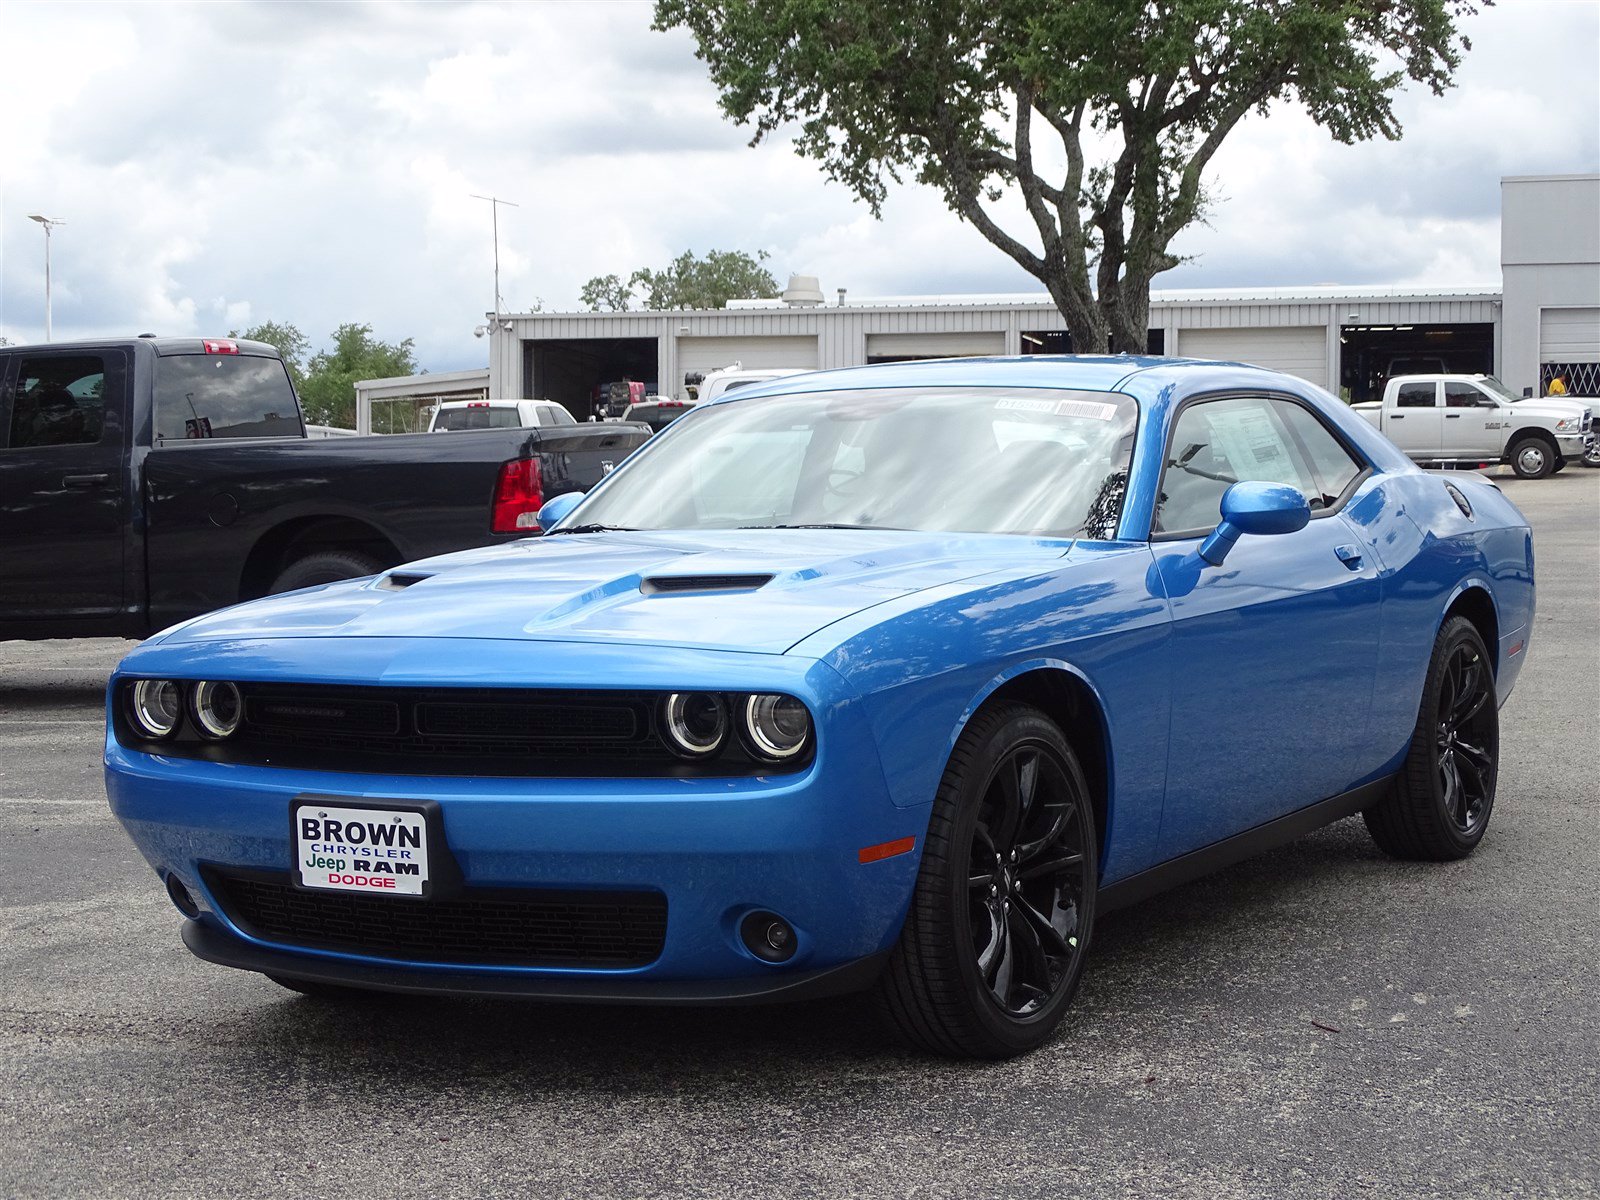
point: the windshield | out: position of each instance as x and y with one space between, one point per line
980 460
224 396
1490 384
478 417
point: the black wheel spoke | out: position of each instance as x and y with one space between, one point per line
1052 865
1053 941
1471 696
1032 968
993 948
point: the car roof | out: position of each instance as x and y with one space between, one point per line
1084 372
161 345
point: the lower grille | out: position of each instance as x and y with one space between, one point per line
522 927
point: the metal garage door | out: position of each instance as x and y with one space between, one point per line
1569 335
934 345
1298 350
709 353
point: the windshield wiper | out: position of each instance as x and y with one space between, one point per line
826 525
592 528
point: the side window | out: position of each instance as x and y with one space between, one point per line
1464 395
1333 465
555 414
1219 443
1416 395
58 401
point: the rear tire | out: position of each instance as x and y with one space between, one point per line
1439 806
323 566
993 946
1532 457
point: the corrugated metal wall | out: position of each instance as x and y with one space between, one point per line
842 333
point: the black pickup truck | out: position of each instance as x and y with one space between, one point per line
146 480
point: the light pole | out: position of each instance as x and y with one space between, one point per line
48 223
494 207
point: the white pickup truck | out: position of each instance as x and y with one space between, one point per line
1476 419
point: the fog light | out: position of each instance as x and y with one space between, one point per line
157 705
180 897
768 936
218 709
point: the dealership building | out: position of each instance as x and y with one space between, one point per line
1543 322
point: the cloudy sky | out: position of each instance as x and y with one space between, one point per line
223 164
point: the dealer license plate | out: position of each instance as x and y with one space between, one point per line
372 851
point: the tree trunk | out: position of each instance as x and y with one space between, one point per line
1086 325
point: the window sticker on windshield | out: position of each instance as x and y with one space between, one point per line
1086 408
1060 408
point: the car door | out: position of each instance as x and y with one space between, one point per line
1469 413
1274 652
1414 421
63 503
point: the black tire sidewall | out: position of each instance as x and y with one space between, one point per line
323 566
1027 727
1457 632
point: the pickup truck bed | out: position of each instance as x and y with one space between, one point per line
129 500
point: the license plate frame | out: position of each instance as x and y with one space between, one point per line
390 862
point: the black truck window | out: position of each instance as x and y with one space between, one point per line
223 396
59 401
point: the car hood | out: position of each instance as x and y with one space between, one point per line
1555 408
752 590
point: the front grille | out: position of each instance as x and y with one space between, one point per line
505 732
521 927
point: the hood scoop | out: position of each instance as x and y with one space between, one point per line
396 581
660 584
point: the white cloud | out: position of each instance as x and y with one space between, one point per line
219 164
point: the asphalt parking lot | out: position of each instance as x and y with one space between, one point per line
1320 1021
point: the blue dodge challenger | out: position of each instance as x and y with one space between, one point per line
889 678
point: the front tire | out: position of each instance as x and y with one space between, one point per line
1439 806
994 944
1532 458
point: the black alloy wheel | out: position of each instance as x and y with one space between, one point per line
1439 805
1467 737
994 945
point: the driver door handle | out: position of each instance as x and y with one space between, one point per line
1350 556
86 481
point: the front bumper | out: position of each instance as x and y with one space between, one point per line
1573 447
716 848
215 945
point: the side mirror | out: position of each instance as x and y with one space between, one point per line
1250 507
557 507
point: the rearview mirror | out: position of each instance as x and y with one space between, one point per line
1251 507
557 507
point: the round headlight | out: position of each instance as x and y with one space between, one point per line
157 705
696 722
778 727
218 708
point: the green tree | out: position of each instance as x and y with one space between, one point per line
291 343
1131 100
709 282
606 293
328 393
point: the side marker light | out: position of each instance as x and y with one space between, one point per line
884 850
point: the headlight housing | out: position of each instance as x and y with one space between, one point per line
776 728
695 723
1568 424
155 707
217 709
